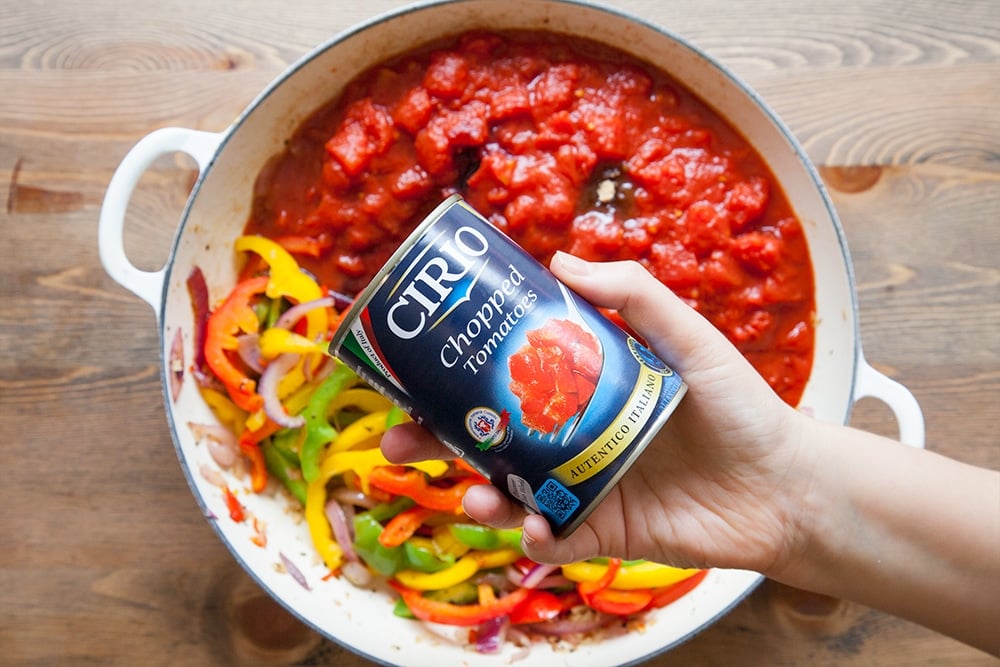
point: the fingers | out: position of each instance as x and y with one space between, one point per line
409 442
541 546
671 327
486 504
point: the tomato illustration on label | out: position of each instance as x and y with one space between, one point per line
554 374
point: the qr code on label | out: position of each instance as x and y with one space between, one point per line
556 500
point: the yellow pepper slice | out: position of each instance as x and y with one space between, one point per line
461 571
446 544
287 279
275 341
227 412
366 427
319 527
365 400
645 574
256 420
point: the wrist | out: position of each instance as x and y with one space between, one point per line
805 501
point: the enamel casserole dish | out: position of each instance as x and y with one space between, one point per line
218 208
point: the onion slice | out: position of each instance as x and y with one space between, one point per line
268 390
198 291
293 570
175 365
298 311
222 443
491 634
337 516
248 347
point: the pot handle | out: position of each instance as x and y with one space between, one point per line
147 285
871 383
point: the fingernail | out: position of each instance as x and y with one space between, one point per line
572 263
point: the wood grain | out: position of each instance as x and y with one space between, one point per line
107 558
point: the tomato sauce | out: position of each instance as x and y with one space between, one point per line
562 144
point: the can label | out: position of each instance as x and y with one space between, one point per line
515 373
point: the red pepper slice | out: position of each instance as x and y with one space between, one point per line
664 596
236 512
600 596
412 483
587 588
436 611
220 336
402 526
542 606
619 602
249 442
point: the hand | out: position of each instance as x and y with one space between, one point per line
715 487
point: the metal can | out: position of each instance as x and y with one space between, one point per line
526 381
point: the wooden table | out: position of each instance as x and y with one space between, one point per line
105 555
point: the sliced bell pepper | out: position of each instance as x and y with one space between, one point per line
384 560
436 611
633 575
364 400
227 412
279 464
664 596
360 462
599 595
275 341
421 555
236 512
486 538
461 571
319 431
542 605
233 316
446 544
249 443
413 484
402 526
369 426
463 593
618 602
287 279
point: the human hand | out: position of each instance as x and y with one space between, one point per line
717 486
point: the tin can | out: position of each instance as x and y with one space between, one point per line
511 370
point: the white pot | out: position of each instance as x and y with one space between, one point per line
219 206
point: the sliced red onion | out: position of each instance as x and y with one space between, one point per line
491 634
562 627
298 311
198 291
267 387
175 365
340 301
342 532
221 442
211 475
293 570
540 576
349 496
537 574
248 347
357 573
